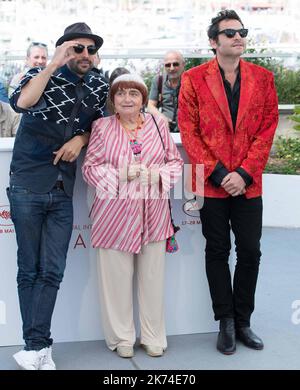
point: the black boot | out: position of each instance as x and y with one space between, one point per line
248 338
226 338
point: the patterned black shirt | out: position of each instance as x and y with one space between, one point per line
58 99
67 107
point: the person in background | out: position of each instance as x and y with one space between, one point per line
163 97
116 73
37 55
58 103
3 93
132 162
97 62
228 114
97 69
9 121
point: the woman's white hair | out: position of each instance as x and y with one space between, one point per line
130 77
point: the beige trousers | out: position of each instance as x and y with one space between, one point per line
116 270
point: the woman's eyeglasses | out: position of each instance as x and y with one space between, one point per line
92 49
230 32
38 44
168 64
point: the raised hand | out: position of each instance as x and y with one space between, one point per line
64 53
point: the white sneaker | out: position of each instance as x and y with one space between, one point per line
153 350
46 361
27 360
125 351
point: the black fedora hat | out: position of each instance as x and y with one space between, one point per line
79 30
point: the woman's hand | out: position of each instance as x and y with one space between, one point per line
149 176
134 171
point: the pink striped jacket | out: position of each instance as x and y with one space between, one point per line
127 215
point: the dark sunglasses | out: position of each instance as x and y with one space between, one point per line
230 32
92 49
168 64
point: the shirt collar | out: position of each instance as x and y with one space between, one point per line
167 82
238 77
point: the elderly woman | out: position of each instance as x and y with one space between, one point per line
132 162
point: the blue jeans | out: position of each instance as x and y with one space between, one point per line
43 225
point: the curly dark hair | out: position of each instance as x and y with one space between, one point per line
213 29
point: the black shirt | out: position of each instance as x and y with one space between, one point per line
233 95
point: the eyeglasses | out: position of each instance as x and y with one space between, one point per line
92 49
168 64
230 32
38 44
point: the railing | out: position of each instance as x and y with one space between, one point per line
125 54
157 53
149 60
286 109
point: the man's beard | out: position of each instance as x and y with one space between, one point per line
173 75
73 65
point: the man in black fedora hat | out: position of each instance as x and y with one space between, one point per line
79 30
59 103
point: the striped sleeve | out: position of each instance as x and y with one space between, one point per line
172 170
95 170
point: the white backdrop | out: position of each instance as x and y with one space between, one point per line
77 312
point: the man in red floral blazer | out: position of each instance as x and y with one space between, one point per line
228 113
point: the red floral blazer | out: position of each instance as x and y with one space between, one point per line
206 127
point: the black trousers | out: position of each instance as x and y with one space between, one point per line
244 217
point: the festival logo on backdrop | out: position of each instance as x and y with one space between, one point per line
5 216
6 224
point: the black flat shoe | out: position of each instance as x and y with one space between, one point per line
249 338
226 338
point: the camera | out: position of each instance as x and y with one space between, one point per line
173 127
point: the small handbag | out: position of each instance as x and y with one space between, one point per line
171 242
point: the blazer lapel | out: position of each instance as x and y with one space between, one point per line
246 92
215 84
